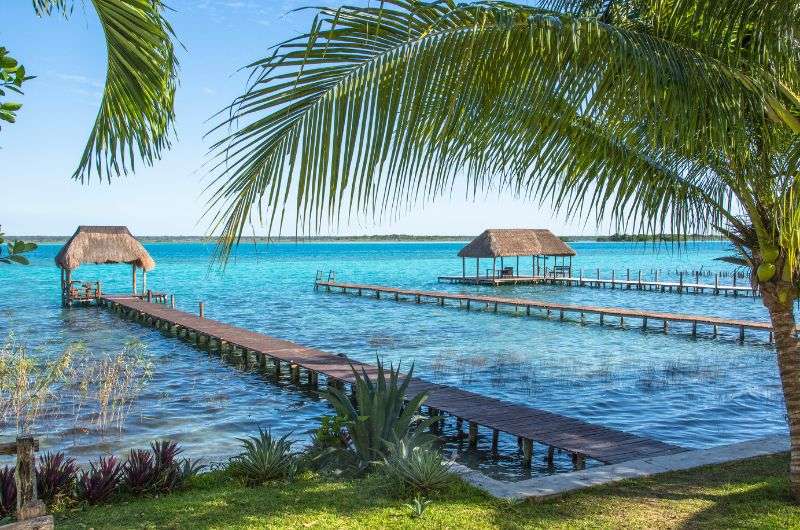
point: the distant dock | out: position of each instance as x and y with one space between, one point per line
693 285
579 438
643 317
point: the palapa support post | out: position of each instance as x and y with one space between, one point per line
202 310
133 278
463 267
172 301
144 281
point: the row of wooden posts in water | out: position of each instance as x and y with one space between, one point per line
468 300
311 378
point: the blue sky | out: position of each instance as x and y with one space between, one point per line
39 153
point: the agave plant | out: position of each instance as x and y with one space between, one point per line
55 476
100 481
264 458
380 413
8 492
419 467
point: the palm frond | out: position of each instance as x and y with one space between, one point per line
376 108
137 109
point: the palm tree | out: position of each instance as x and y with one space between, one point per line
136 112
676 116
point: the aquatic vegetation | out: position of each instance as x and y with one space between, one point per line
55 476
379 412
98 483
264 458
28 383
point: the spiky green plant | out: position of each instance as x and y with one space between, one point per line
380 412
419 468
263 458
676 116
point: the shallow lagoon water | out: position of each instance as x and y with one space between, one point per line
692 392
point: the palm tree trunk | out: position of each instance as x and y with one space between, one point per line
788 349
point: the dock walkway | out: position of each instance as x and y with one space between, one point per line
638 284
528 424
645 317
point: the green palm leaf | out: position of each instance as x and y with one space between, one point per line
136 112
377 108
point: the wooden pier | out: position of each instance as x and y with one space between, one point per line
627 281
645 318
581 439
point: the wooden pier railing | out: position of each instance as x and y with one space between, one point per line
645 318
579 438
638 281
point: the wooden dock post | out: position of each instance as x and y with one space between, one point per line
495 440
613 278
202 310
527 452
550 456
578 461
28 503
680 283
172 301
473 434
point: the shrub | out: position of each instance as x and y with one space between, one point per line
8 492
158 470
100 481
264 458
417 467
331 433
138 472
55 476
380 412
170 472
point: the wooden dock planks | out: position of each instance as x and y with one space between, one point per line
575 436
524 303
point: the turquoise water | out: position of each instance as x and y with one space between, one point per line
692 392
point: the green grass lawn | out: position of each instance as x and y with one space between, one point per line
747 494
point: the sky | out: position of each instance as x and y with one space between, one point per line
41 150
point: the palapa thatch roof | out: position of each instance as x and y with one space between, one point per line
103 244
497 242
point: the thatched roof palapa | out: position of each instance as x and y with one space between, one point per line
103 244
497 242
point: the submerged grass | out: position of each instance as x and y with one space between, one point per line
747 494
